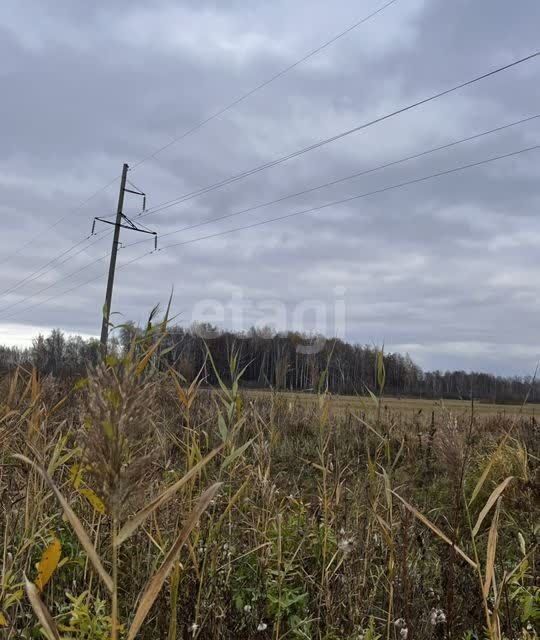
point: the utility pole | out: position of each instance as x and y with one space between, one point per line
120 217
112 263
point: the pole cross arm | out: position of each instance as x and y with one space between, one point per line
130 225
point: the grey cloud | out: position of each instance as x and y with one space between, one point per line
429 268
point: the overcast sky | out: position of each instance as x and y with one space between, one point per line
446 269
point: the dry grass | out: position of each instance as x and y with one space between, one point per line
405 408
140 506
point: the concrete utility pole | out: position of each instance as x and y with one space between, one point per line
112 263
124 222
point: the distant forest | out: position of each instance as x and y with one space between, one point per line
290 361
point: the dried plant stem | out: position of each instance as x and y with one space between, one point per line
115 623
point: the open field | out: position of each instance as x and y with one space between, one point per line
406 407
138 506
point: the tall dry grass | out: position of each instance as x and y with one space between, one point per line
140 505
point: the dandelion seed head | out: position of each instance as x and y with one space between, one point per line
437 616
346 545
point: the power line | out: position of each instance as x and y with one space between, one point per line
41 271
38 273
346 178
201 124
63 293
55 224
356 197
286 216
321 143
290 156
67 276
339 136
265 83
303 192
313 189
258 206
57 282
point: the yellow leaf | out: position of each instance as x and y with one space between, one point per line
13 598
76 475
74 521
141 366
3 621
94 500
48 563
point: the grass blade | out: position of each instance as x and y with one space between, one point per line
490 502
41 611
141 366
487 469
436 530
236 453
491 550
156 583
131 525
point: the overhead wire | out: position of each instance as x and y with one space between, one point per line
358 196
293 195
56 282
235 178
289 215
316 145
55 224
38 273
265 83
201 124
352 176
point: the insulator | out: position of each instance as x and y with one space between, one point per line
93 227
144 204
155 241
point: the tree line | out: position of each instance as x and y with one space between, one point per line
283 361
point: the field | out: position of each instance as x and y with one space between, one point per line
408 407
136 505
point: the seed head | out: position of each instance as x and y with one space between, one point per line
117 419
437 616
346 545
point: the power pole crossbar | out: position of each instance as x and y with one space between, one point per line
118 224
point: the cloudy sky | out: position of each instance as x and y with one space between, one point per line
446 269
